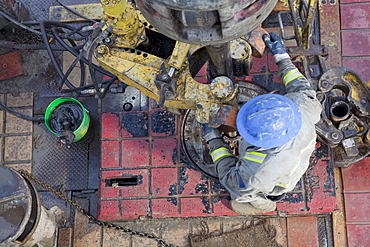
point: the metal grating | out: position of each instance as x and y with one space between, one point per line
75 168
58 166
39 10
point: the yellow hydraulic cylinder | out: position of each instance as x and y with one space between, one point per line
128 31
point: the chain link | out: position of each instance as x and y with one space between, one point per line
62 196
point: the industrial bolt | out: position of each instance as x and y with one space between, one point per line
363 101
324 84
334 135
102 49
108 40
127 107
320 96
221 87
164 77
325 50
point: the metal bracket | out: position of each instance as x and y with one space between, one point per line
344 124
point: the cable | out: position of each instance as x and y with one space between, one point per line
11 45
75 12
93 46
78 30
20 24
92 73
87 46
75 53
20 115
91 42
86 86
51 54
106 87
91 67
71 67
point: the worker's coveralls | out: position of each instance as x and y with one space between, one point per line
262 173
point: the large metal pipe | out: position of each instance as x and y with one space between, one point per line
23 220
202 22
220 63
339 111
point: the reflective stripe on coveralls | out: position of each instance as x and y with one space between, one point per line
291 75
255 156
283 185
280 170
220 152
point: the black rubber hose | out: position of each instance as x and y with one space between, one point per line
92 72
20 115
19 24
51 54
11 45
77 30
84 87
75 12
82 67
106 87
75 53
89 44
71 67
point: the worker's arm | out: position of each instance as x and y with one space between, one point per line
297 86
224 160
293 80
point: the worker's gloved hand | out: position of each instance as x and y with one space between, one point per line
276 45
210 133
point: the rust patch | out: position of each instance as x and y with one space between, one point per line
10 65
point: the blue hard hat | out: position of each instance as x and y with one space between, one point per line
269 120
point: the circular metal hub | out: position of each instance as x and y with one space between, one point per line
202 22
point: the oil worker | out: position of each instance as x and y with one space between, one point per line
278 138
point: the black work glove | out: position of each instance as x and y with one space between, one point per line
210 133
276 45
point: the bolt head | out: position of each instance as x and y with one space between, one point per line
334 135
325 84
102 49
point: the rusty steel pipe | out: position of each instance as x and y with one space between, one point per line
220 63
23 220
339 111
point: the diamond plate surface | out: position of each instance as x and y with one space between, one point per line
39 10
75 168
56 165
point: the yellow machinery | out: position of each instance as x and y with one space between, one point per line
197 31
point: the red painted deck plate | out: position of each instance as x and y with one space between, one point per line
10 65
145 146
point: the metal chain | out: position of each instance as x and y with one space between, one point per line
89 215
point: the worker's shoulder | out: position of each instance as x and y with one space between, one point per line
306 100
